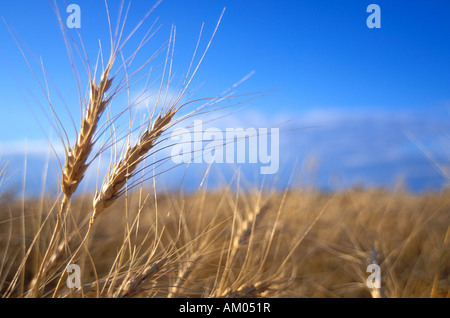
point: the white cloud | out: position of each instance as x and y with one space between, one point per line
31 147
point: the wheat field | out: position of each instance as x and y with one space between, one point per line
301 243
130 240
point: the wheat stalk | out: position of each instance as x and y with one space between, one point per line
53 259
434 288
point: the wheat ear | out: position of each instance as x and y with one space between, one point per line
248 290
123 170
184 272
132 286
76 157
246 229
241 237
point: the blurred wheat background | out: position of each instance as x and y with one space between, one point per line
195 245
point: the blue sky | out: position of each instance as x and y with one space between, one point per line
364 93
